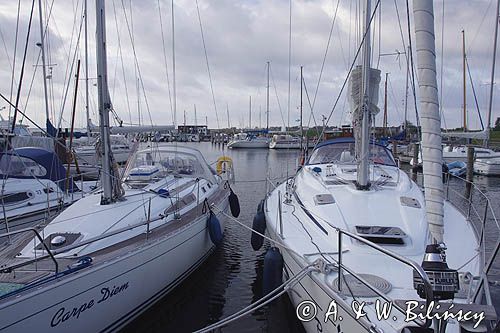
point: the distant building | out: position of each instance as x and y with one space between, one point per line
202 130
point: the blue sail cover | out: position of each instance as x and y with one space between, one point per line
15 158
51 130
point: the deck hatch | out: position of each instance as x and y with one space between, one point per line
52 240
323 199
410 202
382 235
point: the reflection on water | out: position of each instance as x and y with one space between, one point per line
231 278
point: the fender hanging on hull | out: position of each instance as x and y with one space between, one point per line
273 270
259 225
214 229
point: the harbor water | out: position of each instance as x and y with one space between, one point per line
231 278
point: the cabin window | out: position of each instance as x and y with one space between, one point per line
10 198
185 201
344 153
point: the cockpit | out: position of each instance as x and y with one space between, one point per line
19 166
151 165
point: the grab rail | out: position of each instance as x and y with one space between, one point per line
53 253
429 295
472 212
467 207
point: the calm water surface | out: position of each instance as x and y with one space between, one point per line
231 278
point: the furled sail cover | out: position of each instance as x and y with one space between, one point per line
356 100
432 154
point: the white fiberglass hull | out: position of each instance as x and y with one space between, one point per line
289 144
106 297
38 199
284 145
449 157
310 289
458 156
248 144
487 167
87 155
307 233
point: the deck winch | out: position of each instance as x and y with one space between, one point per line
444 281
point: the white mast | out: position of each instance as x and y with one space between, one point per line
173 67
87 113
267 98
44 70
430 119
497 13
363 167
104 105
195 117
250 113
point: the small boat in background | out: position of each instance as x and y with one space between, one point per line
87 153
487 167
287 141
284 141
248 140
457 168
459 153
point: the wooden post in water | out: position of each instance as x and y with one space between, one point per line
395 149
470 171
415 162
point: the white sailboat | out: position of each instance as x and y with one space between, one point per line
459 153
113 254
248 140
287 141
352 228
253 139
487 167
284 141
89 159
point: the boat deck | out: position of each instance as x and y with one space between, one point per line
31 271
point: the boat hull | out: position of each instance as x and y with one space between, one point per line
487 167
106 297
288 145
311 290
248 144
284 145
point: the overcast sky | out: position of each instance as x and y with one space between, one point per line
240 37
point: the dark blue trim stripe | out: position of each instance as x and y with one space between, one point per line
309 214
